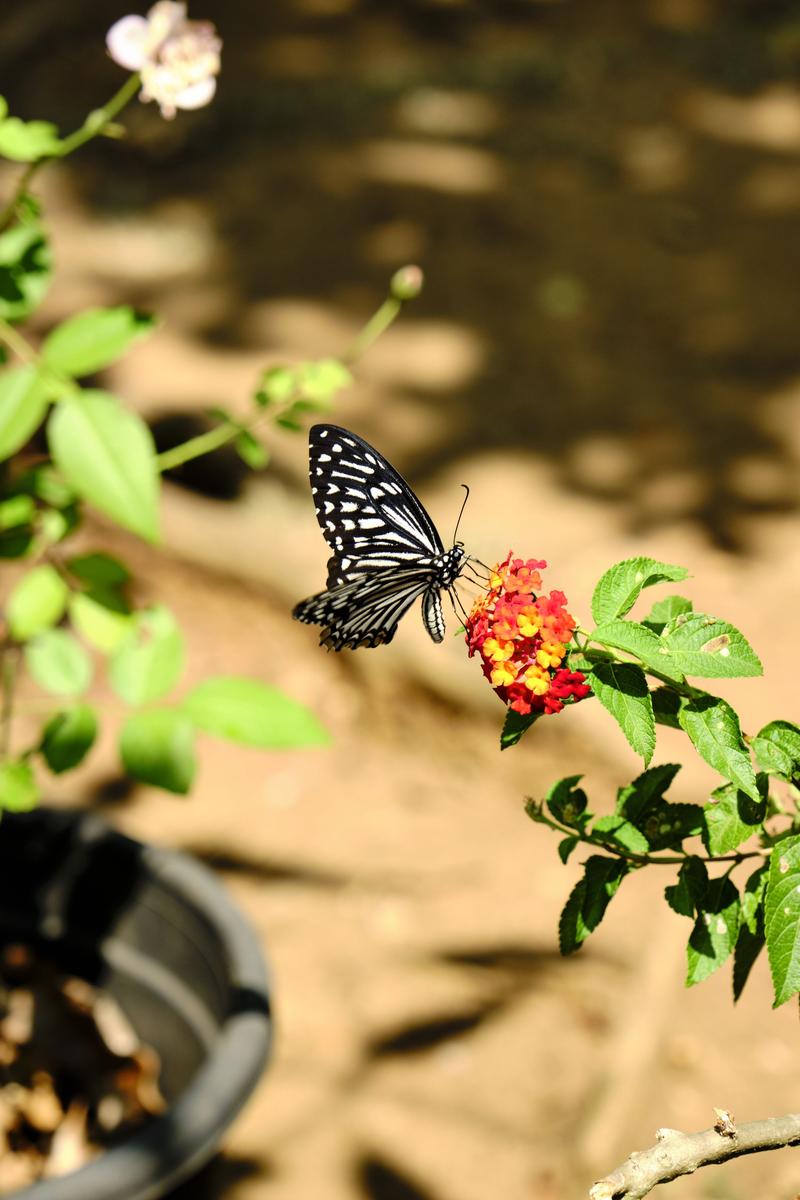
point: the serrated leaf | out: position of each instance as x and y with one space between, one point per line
25 141
666 706
94 338
619 831
25 269
715 931
753 897
637 639
619 588
589 900
748 947
666 610
24 397
37 601
713 729
567 802
733 818
777 750
149 661
252 713
58 663
157 747
67 737
635 800
102 627
514 725
622 690
19 791
686 896
707 647
108 455
666 826
566 846
782 918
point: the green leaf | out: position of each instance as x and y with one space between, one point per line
514 725
589 900
94 338
16 510
102 627
622 690
635 801
566 846
753 897
25 141
733 819
687 895
107 453
36 602
99 568
713 728
24 398
666 706
58 663
782 918
149 661
748 947
666 610
68 736
25 269
567 802
251 451
638 640
3 108
18 789
616 829
715 931
777 750
158 747
252 713
276 386
618 589
667 826
712 649
321 380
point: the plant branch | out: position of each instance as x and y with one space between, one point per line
96 123
676 1153
8 679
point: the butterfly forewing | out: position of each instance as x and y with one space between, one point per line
386 550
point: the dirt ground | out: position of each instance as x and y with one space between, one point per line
604 198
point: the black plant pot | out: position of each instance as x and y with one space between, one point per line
156 929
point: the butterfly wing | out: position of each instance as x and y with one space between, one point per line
364 611
368 514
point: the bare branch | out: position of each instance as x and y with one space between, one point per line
677 1153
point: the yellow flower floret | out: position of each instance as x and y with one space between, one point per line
504 673
498 651
550 654
537 680
529 621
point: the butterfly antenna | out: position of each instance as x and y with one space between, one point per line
455 599
461 512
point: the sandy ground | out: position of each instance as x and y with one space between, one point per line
606 207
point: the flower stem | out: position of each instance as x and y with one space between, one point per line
204 443
95 124
378 323
8 678
16 343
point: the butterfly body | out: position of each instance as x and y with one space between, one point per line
386 549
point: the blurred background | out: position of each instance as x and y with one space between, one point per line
605 201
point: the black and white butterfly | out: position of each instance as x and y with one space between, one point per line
386 550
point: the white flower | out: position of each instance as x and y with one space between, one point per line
178 59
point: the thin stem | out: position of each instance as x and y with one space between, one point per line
95 124
378 323
8 678
16 343
204 443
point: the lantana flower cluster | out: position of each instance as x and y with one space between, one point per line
522 639
177 59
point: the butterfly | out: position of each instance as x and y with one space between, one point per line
386 549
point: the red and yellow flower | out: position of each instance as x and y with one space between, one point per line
522 639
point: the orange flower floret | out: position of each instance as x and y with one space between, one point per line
522 639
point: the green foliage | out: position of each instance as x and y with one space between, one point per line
25 269
637 639
713 728
708 648
253 714
777 750
18 789
148 661
107 454
158 747
620 587
514 726
24 398
58 663
666 610
100 625
715 930
25 141
622 689
67 737
36 602
589 900
782 918
94 339
733 817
